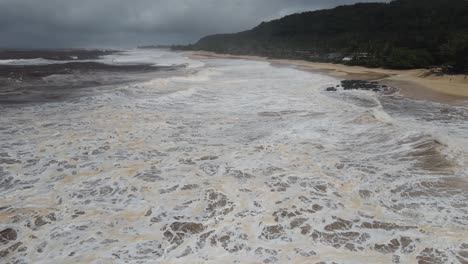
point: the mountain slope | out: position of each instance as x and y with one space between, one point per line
401 34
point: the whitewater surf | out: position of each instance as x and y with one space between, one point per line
227 161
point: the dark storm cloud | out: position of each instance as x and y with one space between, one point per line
119 23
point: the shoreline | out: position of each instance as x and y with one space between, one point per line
418 84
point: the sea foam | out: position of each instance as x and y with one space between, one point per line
232 161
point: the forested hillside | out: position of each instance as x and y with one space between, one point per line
402 34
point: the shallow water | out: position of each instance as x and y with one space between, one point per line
232 161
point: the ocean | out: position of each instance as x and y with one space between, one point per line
213 160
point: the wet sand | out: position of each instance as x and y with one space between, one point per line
418 84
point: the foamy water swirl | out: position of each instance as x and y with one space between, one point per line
232 161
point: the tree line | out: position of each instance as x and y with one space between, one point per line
401 34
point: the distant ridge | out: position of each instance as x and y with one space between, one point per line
402 34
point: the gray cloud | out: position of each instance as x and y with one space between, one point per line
124 23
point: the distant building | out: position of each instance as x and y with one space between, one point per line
356 56
361 55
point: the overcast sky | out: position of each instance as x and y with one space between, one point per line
127 23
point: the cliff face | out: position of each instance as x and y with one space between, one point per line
399 34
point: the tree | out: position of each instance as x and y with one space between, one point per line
456 50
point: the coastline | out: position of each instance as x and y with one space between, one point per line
417 84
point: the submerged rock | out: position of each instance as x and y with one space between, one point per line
362 85
359 85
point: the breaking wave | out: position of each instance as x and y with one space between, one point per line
232 161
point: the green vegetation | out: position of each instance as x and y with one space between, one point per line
402 34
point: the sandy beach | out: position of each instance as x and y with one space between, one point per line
418 84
